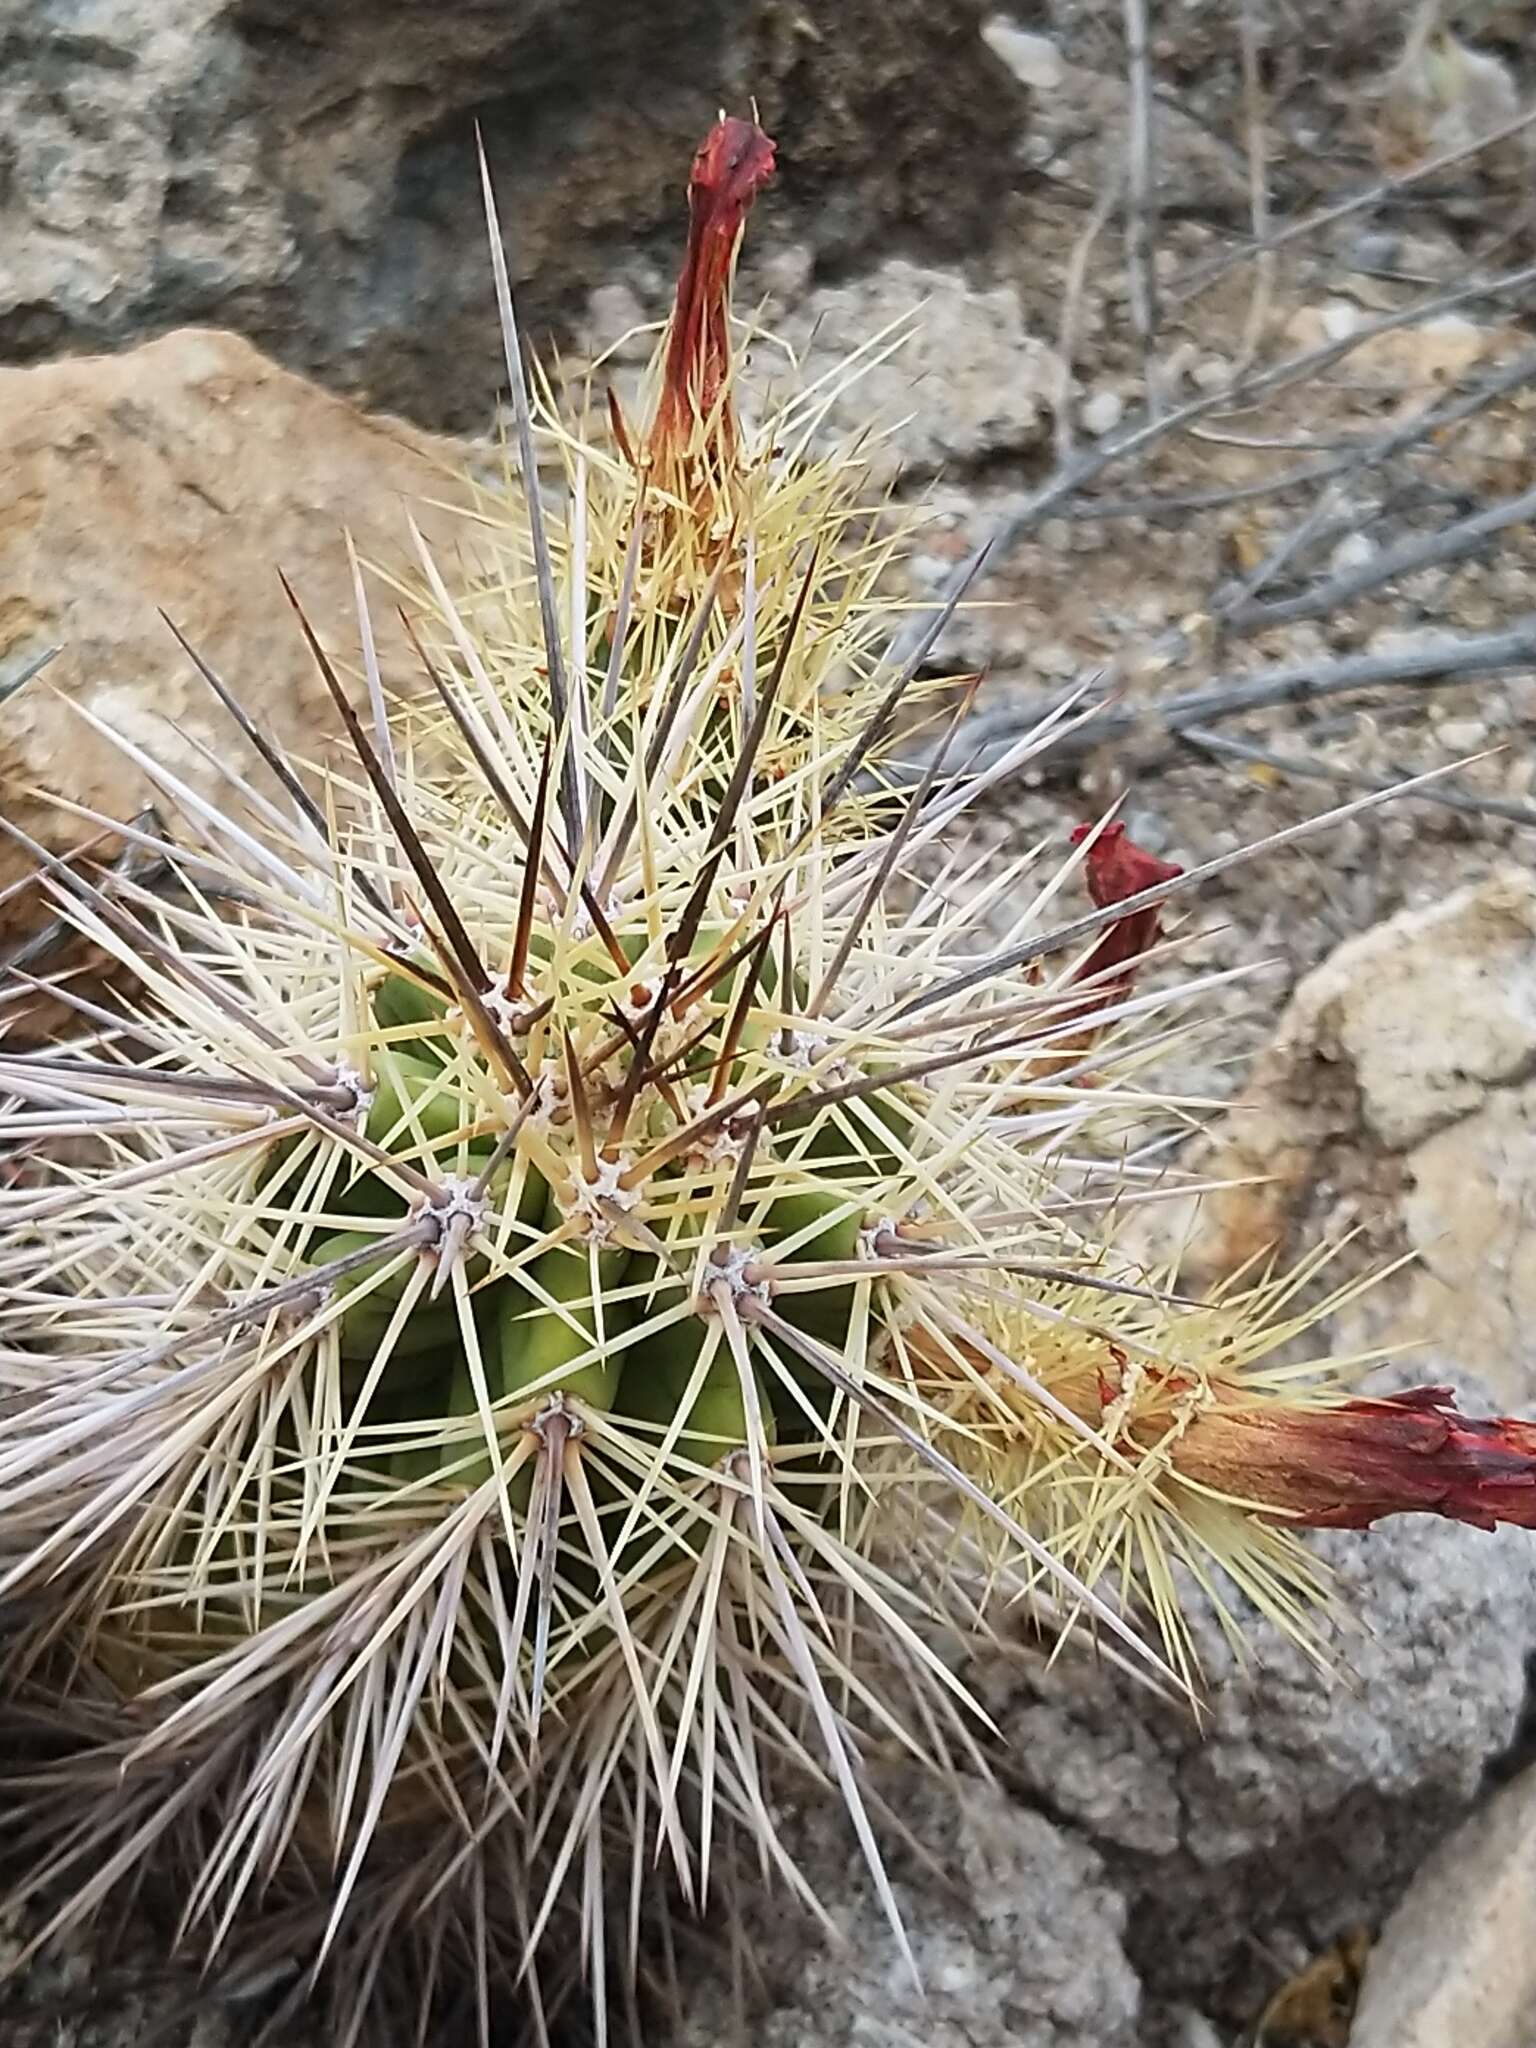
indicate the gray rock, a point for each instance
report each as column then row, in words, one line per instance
column 1083, row 109
column 1305, row 1803
column 1018, row 1946
column 968, row 380
column 306, row 172
column 72, row 1997
column 923, row 368
column 1196, row 35
column 1132, row 1870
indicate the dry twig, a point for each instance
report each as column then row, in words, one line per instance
column 1151, row 733
column 1312, row 767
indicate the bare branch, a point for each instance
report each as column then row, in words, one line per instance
column 1071, row 304
column 1258, row 185
column 1141, row 196
column 1425, row 551
column 1314, row 768
column 1358, row 202
column 1451, row 658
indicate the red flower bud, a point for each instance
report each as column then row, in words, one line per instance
column 735, row 159
column 1345, row 1467
column 1117, row 868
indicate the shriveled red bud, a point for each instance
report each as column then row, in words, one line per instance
column 1345, row 1467
column 695, row 416
column 1117, row 868
column 1340, row 1465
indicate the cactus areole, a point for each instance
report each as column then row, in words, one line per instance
column 572, row 1266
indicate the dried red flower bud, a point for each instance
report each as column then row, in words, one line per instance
column 733, row 162
column 1342, row 1466
column 1345, row 1467
column 1117, row 868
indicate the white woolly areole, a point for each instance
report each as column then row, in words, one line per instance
column 802, row 1048
column 499, row 1006
column 594, row 1199
column 348, row 1076
column 455, row 1201
column 549, row 1099
column 583, row 924
column 730, row 1269
column 868, row 1243
column 802, row 1051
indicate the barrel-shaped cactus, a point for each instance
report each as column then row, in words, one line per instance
column 576, row 1254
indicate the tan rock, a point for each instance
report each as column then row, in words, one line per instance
column 181, row 475
column 1442, row 95
column 1411, row 1042
column 1400, row 1090
column 1456, row 1963
column 1469, row 1210
column 1430, row 1009
column 1410, row 361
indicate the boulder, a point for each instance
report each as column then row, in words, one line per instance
column 1307, row 1793
column 304, row 170
column 1015, row 1934
column 181, row 475
column 1456, row 1963
column 1399, row 1092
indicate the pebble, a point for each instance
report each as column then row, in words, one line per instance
column 1376, row 250
column 1339, row 319
column 1102, row 413
column 1463, row 735
column 1452, row 327
column 1150, row 830
column 1352, row 552
column 1211, row 373
column 614, row 312
column 1196, row 2031
column 788, row 272
column 1176, row 366
column 1403, row 639
column 1034, row 60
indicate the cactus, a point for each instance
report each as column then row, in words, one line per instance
column 558, row 1284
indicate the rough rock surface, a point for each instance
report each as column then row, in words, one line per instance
column 1456, row 1962
column 1305, row 1803
column 1080, row 113
column 68, row 1998
column 306, row 173
column 182, row 474
column 1124, row 1842
column 950, row 374
column 1020, row 1948
column 1198, row 34
column 1470, row 1212
column 969, row 382
column 1403, row 1067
